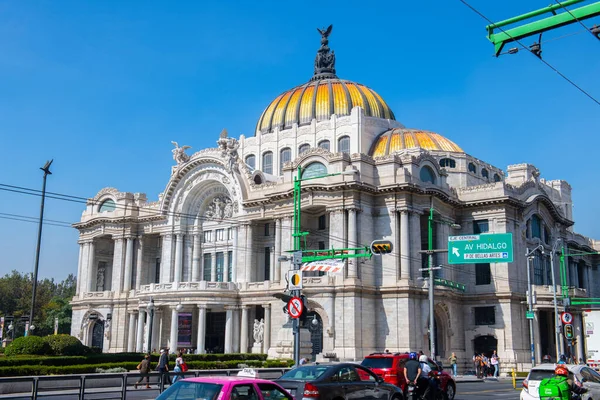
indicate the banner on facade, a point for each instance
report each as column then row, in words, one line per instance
column 331, row 265
column 1, row 327
column 184, row 329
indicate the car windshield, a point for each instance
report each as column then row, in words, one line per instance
column 539, row 374
column 378, row 362
column 306, row 373
column 184, row 390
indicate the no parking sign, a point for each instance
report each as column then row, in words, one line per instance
column 295, row 307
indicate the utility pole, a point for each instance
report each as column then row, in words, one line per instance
column 557, row 323
column 431, row 300
column 528, row 256
column 46, row 169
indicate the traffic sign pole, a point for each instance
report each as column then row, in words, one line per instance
column 297, row 263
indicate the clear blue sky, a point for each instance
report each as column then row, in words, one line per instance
column 104, row 86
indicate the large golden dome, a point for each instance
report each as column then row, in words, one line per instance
column 320, row 99
column 398, row 139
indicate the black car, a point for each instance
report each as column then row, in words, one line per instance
column 337, row 381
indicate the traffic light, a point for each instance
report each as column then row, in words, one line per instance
column 569, row 331
column 302, row 316
column 379, row 247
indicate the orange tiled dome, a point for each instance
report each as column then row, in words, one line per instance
column 320, row 99
column 398, row 139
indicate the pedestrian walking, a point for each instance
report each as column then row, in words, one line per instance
column 144, row 368
column 163, row 367
column 495, row 361
column 178, row 367
column 452, row 359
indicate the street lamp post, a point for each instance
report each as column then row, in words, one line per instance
column 528, row 256
column 46, row 169
column 150, row 309
column 558, row 339
column 11, row 329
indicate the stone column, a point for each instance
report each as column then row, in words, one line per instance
column 201, row 340
column 415, row 246
column 249, row 253
column 228, row 330
column 196, row 257
column 267, row 333
column 128, row 264
column 117, row 267
column 226, row 266
column 140, row 276
column 174, row 328
column 91, row 270
column 166, row 258
column 236, row 330
column 139, row 339
column 178, row 258
column 277, row 275
column 536, row 336
column 244, row 331
column 404, row 245
column 234, row 263
column 213, row 267
column 352, row 242
column 131, row 333
column 79, row 268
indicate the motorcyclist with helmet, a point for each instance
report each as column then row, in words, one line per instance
column 431, row 375
column 412, row 372
column 560, row 386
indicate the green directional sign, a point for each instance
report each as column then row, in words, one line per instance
column 483, row 248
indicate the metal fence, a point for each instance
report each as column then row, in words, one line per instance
column 103, row 386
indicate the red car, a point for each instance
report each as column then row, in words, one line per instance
column 390, row 366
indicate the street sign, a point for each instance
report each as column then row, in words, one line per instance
column 295, row 307
column 294, row 280
column 566, row 317
column 483, row 248
column 529, row 314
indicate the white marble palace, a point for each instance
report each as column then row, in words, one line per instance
column 207, row 252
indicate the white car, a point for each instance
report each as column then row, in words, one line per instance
column 581, row 373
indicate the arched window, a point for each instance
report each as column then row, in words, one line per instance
column 485, row 173
column 251, row 162
column 497, row 178
column 344, row 144
column 107, row 206
column 284, row 156
column 267, row 162
column 303, row 148
column 427, row 174
column 314, row 169
column 472, row 168
column 324, row 144
column 447, row 163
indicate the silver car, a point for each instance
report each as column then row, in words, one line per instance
column 580, row 373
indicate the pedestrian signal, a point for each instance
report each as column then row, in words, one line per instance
column 569, row 331
column 381, row 247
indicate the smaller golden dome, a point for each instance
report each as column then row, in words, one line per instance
column 398, row 139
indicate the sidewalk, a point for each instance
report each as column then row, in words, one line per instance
column 473, row 378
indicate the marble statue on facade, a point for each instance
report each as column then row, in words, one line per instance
column 179, row 153
column 229, row 147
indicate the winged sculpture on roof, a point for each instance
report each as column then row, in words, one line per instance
column 179, row 153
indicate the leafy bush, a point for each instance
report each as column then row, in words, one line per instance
column 110, row 370
column 33, row 345
column 66, row 345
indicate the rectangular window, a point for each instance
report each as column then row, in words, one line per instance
column 536, row 227
column 157, row 271
column 481, row 226
column 229, row 234
column 230, row 266
column 485, row 315
column 268, row 163
column 267, row 229
column 207, row 266
column 207, row 236
column 267, row 263
column 548, row 271
column 581, row 275
column 220, row 235
column 220, row 265
column 538, row 269
column 483, row 274
column 322, row 222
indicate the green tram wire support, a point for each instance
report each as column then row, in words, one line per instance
column 499, row 39
column 563, row 278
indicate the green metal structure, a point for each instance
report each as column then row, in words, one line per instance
column 500, row 37
column 565, row 287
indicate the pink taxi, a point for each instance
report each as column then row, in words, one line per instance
column 224, row 388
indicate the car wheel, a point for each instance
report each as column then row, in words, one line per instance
column 450, row 392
